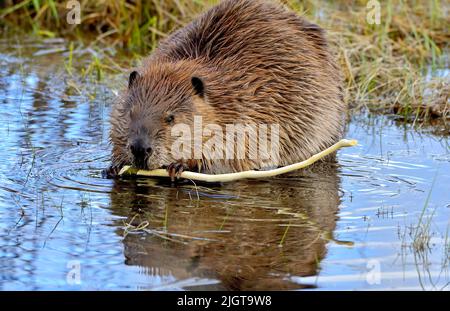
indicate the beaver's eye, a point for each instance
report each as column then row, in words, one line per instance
column 170, row 119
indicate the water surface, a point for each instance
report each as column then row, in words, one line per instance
column 377, row 220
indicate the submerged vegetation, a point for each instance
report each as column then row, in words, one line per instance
column 389, row 67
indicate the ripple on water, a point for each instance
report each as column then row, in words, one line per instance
column 77, row 168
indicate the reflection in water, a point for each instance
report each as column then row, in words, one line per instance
column 247, row 235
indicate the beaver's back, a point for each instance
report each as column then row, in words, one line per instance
column 239, row 30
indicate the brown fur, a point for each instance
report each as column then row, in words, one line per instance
column 259, row 62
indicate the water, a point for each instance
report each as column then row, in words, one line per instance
column 378, row 220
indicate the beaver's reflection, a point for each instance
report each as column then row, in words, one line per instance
column 250, row 235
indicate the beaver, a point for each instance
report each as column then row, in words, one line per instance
column 241, row 62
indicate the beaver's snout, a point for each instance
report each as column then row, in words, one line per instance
column 141, row 152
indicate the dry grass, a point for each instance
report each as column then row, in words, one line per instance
column 136, row 25
column 385, row 65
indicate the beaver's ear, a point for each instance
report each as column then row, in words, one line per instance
column 133, row 77
column 199, row 86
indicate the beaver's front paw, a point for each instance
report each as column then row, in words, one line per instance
column 111, row 172
column 176, row 169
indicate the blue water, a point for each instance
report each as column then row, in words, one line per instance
column 364, row 224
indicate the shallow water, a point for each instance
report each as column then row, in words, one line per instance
column 377, row 220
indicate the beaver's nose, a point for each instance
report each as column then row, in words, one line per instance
column 141, row 152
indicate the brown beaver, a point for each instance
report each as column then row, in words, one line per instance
column 241, row 62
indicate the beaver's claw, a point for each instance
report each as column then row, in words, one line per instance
column 176, row 169
column 111, row 172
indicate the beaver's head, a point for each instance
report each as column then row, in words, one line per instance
column 158, row 99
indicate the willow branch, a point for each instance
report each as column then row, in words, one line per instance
column 128, row 170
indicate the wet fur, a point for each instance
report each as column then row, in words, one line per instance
column 259, row 63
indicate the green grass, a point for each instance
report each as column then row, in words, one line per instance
column 421, row 235
column 383, row 64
